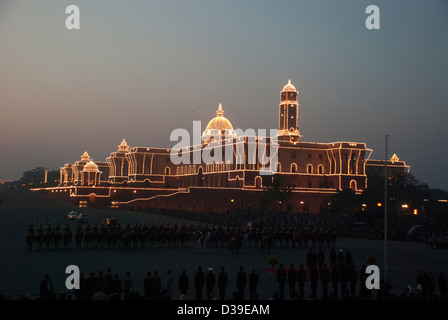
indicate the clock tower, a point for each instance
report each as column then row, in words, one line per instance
column 289, row 114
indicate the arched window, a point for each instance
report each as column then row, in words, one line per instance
column 293, row 167
column 258, row 182
column 278, row 167
column 167, row 171
column 309, row 169
column 353, row 185
column 320, row 169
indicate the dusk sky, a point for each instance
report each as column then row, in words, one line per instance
column 139, row 69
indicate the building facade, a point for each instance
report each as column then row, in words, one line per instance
column 225, row 171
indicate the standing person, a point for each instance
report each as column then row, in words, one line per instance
column 314, row 277
column 241, row 281
column 116, row 286
column 353, row 277
column 108, row 278
column 253, row 283
column 442, row 283
column 156, row 285
column 127, row 285
column 210, row 282
column 325, row 278
column 292, row 279
column 90, row 286
column 335, row 279
column 46, row 288
column 344, row 277
column 169, row 284
column 301, row 278
column 147, row 285
column 332, row 257
column 281, row 279
column 81, row 292
column 363, row 291
column 184, row 283
column 320, row 258
column 432, row 285
column 222, row 283
column 199, row 281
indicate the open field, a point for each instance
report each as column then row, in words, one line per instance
column 21, row 270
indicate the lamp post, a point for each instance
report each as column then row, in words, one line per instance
column 385, row 214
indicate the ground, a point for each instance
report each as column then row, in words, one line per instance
column 22, row 270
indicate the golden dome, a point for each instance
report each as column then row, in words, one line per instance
column 219, row 122
column 218, row 125
column 289, row 87
column 90, row 167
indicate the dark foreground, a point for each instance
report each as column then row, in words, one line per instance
column 22, row 270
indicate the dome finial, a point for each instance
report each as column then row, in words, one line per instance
column 220, row 112
column 123, row 147
column 85, row 156
column 289, row 86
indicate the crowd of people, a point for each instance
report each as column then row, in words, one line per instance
column 319, row 277
column 176, row 236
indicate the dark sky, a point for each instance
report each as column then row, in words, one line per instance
column 139, row 69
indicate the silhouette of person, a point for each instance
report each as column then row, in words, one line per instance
column 222, row 283
column 147, row 285
column 156, row 284
column 46, row 288
column 281, row 279
column 116, row 286
column 210, row 282
column 169, row 284
column 253, row 283
column 184, row 283
column 292, row 279
column 314, row 277
column 325, row 278
column 241, row 281
column 442, row 284
column 199, row 281
column 127, row 285
column 301, row 278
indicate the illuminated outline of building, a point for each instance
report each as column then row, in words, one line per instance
column 145, row 177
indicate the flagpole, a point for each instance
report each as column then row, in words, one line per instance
column 385, row 214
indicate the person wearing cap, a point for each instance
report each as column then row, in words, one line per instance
column 210, row 282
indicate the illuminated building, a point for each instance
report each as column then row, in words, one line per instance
column 307, row 174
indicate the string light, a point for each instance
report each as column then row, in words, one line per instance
column 142, row 165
